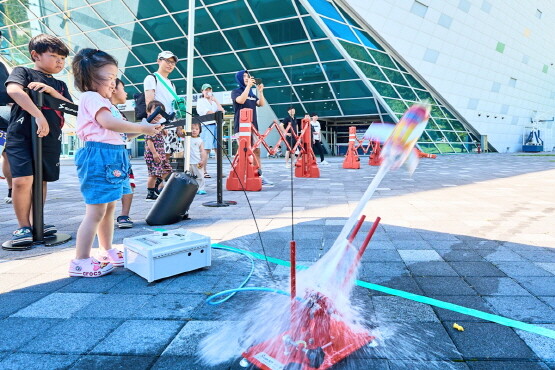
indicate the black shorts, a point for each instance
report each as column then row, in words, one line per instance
column 20, row 157
column 291, row 141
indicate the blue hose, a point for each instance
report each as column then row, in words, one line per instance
column 231, row 292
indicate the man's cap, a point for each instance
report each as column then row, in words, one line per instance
column 166, row 54
column 205, row 86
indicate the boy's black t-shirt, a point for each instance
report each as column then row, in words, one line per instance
column 249, row 103
column 19, row 129
column 294, row 124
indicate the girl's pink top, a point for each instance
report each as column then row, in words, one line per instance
column 88, row 129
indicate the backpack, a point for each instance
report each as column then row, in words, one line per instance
column 140, row 103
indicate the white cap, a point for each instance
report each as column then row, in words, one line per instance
column 167, row 55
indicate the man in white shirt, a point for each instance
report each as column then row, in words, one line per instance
column 317, row 138
column 208, row 104
column 155, row 89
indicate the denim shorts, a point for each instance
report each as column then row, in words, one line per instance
column 103, row 171
column 208, row 136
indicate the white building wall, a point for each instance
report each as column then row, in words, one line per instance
column 453, row 45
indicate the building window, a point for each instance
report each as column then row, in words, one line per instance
column 495, row 87
column 464, row 5
column 539, row 14
column 431, row 55
column 525, row 59
column 545, row 68
column 445, row 21
column 419, row 9
column 500, row 47
column 486, row 6
column 512, row 82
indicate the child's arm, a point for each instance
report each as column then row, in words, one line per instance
column 152, row 149
column 21, row 98
column 105, row 118
column 41, row 87
column 202, row 153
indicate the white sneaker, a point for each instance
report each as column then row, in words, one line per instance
column 7, row 200
column 325, row 163
column 287, row 165
column 266, row 182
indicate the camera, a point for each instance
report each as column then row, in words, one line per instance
column 258, row 81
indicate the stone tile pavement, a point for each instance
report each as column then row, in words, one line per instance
column 473, row 230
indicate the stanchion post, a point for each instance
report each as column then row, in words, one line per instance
column 219, row 118
column 38, row 196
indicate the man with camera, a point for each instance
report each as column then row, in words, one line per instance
column 244, row 97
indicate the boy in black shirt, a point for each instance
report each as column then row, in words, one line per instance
column 290, row 120
column 49, row 54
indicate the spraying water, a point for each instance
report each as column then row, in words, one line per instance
column 321, row 326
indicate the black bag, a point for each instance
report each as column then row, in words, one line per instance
column 174, row 201
column 140, row 104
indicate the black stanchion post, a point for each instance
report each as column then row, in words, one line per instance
column 219, row 117
column 38, row 196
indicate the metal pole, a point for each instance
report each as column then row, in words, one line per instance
column 38, row 196
column 189, row 89
column 219, row 171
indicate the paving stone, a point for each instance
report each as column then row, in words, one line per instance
column 528, row 309
column 139, row 337
column 97, row 362
column 93, row 285
column 137, row 285
column 169, row 306
column 187, row 341
column 84, row 334
column 391, row 309
column 538, row 286
column 444, row 286
column 476, row 303
column 506, row 365
column 381, row 255
column 487, row 341
column 431, row 268
column 114, row 306
column 503, row 254
column 544, row 347
column 37, row 361
column 190, row 363
column 517, row 269
column 57, row 305
column 549, row 300
column 460, row 255
column 409, row 243
column 547, row 266
column 404, row 283
column 410, row 365
column 422, row 341
column 419, row 255
column 16, row 332
column 14, row 301
column 374, row 269
column 496, row 286
column 476, row 269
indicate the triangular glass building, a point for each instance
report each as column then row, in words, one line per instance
column 310, row 53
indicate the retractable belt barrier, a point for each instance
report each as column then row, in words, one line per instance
column 245, row 172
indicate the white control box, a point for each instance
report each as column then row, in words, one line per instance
column 162, row 254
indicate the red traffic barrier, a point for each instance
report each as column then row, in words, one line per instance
column 375, row 159
column 352, row 161
column 306, row 165
column 244, row 174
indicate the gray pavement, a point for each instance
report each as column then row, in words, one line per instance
column 473, row 230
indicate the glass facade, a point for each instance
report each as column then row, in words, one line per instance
column 309, row 54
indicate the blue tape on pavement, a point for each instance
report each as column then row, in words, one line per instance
column 422, row 299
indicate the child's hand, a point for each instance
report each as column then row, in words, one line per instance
column 41, row 87
column 199, row 165
column 43, row 128
column 150, row 129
